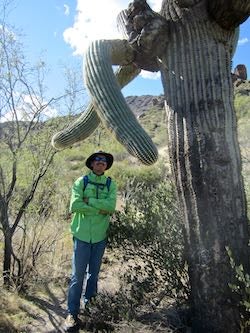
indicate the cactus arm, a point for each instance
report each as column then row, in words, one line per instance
column 147, row 33
column 229, row 14
column 132, row 56
column 125, row 74
column 87, row 123
column 234, row 40
column 122, row 22
column 79, row 130
column 109, row 101
column 188, row 3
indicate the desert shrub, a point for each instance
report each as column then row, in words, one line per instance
column 147, row 235
column 73, row 158
column 121, row 156
column 37, row 241
column 242, row 106
column 135, row 174
column 241, row 287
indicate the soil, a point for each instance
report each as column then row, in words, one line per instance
column 49, row 310
column 51, row 313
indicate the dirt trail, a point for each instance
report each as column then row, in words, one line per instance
column 47, row 310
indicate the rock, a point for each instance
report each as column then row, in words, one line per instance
column 240, row 72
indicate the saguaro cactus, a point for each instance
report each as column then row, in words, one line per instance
column 191, row 43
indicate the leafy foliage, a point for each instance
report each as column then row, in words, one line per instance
column 241, row 287
column 148, row 238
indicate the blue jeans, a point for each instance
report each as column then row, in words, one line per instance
column 84, row 255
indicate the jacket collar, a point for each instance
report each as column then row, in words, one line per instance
column 93, row 176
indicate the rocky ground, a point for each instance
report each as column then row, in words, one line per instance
column 46, row 312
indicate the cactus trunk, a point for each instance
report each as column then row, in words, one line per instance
column 205, row 158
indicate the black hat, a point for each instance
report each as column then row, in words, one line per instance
column 108, row 156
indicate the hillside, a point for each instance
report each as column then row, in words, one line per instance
column 42, row 308
column 141, row 104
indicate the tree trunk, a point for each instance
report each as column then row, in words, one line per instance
column 206, row 163
column 7, row 259
column 7, row 241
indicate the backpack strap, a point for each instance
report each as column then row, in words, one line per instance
column 108, row 182
column 86, row 181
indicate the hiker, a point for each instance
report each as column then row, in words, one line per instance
column 93, row 201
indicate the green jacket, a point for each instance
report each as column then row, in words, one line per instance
column 87, row 223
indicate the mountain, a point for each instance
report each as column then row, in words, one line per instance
column 141, row 104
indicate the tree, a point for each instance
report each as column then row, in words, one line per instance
column 23, row 107
column 191, row 42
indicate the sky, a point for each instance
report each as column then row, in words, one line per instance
column 59, row 31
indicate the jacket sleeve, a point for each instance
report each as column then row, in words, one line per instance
column 107, row 204
column 77, row 205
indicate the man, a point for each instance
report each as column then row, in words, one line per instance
column 93, row 200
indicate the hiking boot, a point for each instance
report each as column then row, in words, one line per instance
column 91, row 306
column 87, row 307
column 71, row 323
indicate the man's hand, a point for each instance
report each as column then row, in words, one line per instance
column 104, row 212
column 86, row 200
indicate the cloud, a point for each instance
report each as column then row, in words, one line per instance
column 66, row 10
column 27, row 110
column 96, row 19
column 23, row 114
column 155, row 5
column 150, row 75
column 243, row 41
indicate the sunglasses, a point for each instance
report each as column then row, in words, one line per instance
column 100, row 159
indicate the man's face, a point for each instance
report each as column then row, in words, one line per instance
column 99, row 164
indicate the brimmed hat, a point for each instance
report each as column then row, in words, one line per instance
column 108, row 156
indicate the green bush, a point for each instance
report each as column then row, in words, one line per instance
column 148, row 237
column 241, row 287
column 242, row 106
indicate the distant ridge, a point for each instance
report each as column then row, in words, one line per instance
column 141, row 104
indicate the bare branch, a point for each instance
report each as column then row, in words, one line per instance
column 42, row 171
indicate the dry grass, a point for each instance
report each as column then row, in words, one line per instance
column 12, row 315
column 43, row 309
